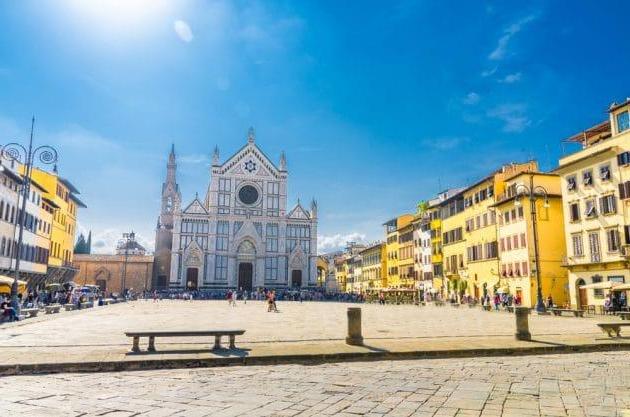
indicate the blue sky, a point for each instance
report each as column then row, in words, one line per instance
column 376, row 104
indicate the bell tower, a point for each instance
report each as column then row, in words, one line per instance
column 171, row 199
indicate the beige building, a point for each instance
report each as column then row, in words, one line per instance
column 130, row 267
column 596, row 191
column 372, row 267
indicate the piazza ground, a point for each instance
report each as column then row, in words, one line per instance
column 299, row 330
column 582, row 384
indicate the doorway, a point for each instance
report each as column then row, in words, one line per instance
column 581, row 301
column 191, row 278
column 296, row 278
column 245, row 276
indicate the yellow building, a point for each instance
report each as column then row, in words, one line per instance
column 341, row 272
column 469, row 234
column 62, row 238
column 391, row 248
column 372, row 267
column 595, row 184
column 517, row 255
column 407, row 276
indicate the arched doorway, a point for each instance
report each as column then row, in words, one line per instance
column 296, row 278
column 580, row 295
column 192, row 275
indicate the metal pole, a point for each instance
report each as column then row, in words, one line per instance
column 21, row 217
column 540, row 306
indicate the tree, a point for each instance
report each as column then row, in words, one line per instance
column 81, row 246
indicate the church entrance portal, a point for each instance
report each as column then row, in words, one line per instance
column 245, row 276
column 296, row 278
column 191, row 278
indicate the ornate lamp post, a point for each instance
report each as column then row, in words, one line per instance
column 124, row 242
column 25, row 156
column 534, row 192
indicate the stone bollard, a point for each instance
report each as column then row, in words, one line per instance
column 522, row 323
column 354, row 327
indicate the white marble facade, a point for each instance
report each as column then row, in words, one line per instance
column 241, row 235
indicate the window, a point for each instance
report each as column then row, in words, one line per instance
column 612, row 236
column 574, row 210
column 220, row 269
column 524, row 269
column 273, row 188
column 223, row 231
column 271, row 269
column 272, row 237
column 571, row 183
column 593, row 240
column 520, row 213
column 604, row 172
column 590, row 211
column 224, row 184
column 597, row 293
column 515, row 241
column 224, row 199
column 623, row 158
column 623, row 122
column 624, row 190
column 608, row 204
column 578, row 246
column 523, row 240
column 587, row 178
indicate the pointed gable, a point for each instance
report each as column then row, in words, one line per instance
column 250, row 153
column 298, row 212
column 195, row 207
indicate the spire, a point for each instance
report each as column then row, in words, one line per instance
column 171, row 156
column 251, row 135
column 313, row 208
column 89, row 242
column 283, row 161
column 215, row 156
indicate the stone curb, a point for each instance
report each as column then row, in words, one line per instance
column 311, row 359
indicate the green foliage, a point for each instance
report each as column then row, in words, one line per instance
column 422, row 206
column 81, row 246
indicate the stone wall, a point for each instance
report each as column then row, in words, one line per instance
column 108, row 270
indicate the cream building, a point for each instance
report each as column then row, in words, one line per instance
column 596, row 193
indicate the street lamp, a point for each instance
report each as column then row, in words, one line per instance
column 533, row 192
column 25, row 156
column 126, row 240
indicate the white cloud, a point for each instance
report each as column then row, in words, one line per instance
column 489, row 72
column 445, row 143
column 501, row 49
column 513, row 116
column 183, row 31
column 511, row 78
column 104, row 241
column 338, row 241
column 471, row 98
column 77, row 137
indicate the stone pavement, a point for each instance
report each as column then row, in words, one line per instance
column 584, row 384
column 96, row 336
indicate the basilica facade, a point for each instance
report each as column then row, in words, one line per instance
column 241, row 235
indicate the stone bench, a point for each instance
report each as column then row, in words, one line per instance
column 52, row 308
column 108, row 301
column 454, row 305
column 30, row 312
column 88, row 304
column 611, row 328
column 70, row 307
column 623, row 315
column 559, row 311
column 185, row 333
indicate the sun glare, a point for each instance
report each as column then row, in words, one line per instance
column 117, row 15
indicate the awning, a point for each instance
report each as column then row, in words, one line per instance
column 606, row 285
column 621, row 287
column 8, row 280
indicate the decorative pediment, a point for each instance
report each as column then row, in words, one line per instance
column 249, row 160
column 193, row 255
column 298, row 212
column 297, row 259
column 247, row 232
column 195, row 208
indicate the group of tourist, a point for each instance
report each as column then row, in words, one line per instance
column 615, row 301
column 259, row 294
